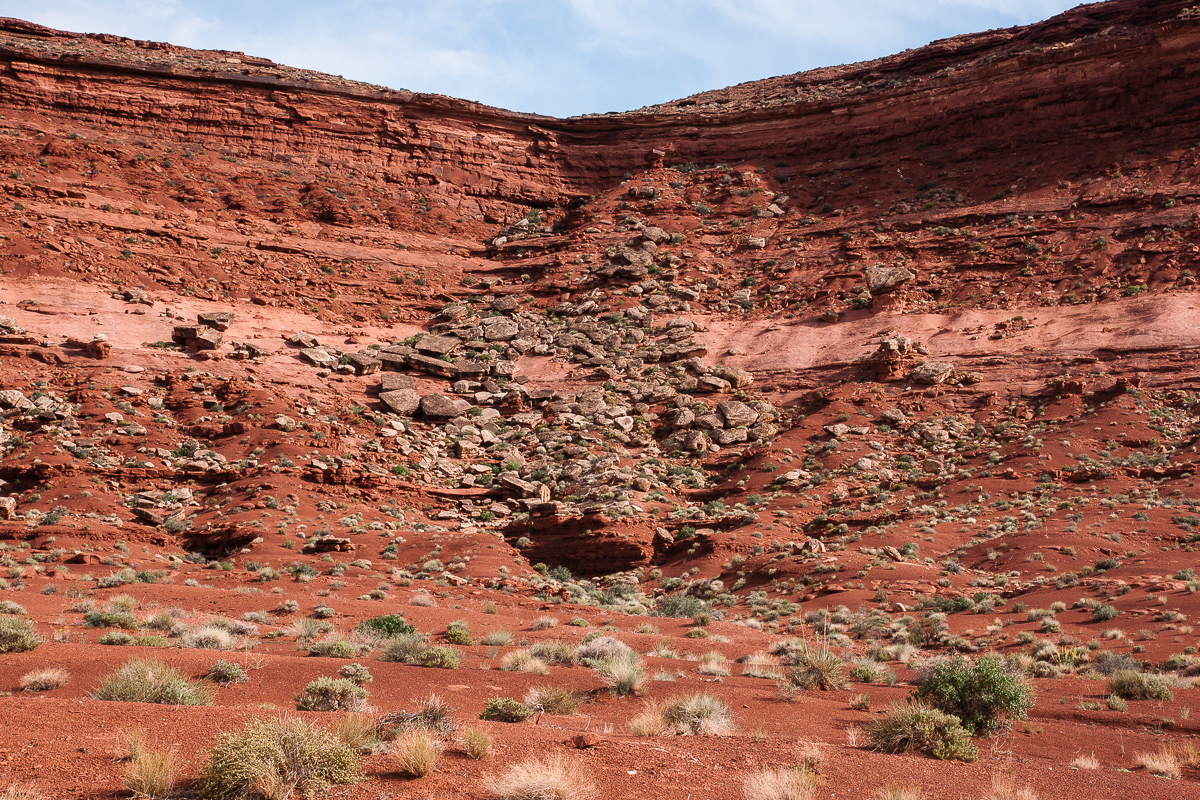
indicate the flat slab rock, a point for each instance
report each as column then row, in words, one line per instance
column 442, row 407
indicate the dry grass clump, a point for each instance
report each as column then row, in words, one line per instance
column 275, row 758
column 476, row 744
column 417, row 753
column 433, row 714
column 356, row 731
column 713, row 663
column 148, row 774
column 523, row 661
column 1004, row 788
column 1088, row 761
column 780, row 784
column 894, row 792
column 332, row 694
column 624, row 674
column 762, row 665
column 17, row 635
column 649, row 722
column 543, row 622
column 553, row 699
column 43, row 680
column 17, row 792
column 1164, row 764
column 553, row 777
column 604, row 648
column 152, row 681
column 552, row 651
column 700, row 714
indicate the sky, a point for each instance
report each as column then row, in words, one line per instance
column 555, row 57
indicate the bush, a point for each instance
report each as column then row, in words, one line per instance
column 333, row 647
column 505, row 709
column 604, row 648
column 17, row 635
column 1107, row 663
column 274, row 758
column 405, row 648
column 914, row 727
column 433, row 714
column 553, row 651
column 816, row 668
column 457, row 633
column 152, row 681
column 119, row 638
column 679, row 605
column 332, row 694
column 227, row 673
column 522, row 661
column 357, row 673
column 553, row 777
column 979, row 694
column 1104, row 612
column 624, row 674
column 417, row 753
column 149, row 774
column 699, row 714
column 1130, row 685
column 110, row 619
column 440, row 658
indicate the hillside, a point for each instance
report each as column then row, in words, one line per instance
column 898, row 357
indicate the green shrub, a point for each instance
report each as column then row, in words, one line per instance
column 441, row 658
column 1131, row 685
column 110, row 619
column 335, row 647
column 152, row 681
column 913, row 727
column 332, row 694
column 1104, row 612
column 274, row 759
column 457, row 633
column 980, row 694
column 388, row 625
column 679, row 605
column 116, row 638
column 505, row 709
column 226, row 673
column 17, row 635
column 357, row 673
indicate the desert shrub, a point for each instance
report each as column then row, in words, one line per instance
column 357, row 673
column 227, row 673
column 110, row 619
column 271, row 759
column 553, row 777
column 209, row 637
column 700, row 714
column 405, row 648
column 552, row 699
column 861, row 702
column 356, row 731
column 440, row 658
column 44, row 679
column 476, row 744
column 603, row 648
column 457, row 633
column 119, row 638
column 817, row 668
column 1115, row 703
column 505, row 709
column 780, row 784
column 713, row 663
column 433, row 714
column 334, row 646
column 980, row 694
column 913, row 727
column 679, row 605
column 1106, row 662
column 332, row 694
column 417, row 753
column 552, row 651
column 496, row 638
column 522, row 661
column 152, row 681
column 1130, row 685
column 543, row 622
column 1104, row 612
column 388, row 625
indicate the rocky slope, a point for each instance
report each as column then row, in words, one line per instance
column 917, row 333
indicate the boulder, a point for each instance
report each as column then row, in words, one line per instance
column 401, row 401
column 218, row 320
column 881, row 280
column 737, row 414
column 439, row 406
column 391, row 381
column 932, row 372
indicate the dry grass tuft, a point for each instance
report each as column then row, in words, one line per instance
column 1004, row 788
column 476, row 744
column 17, row 792
column 523, row 661
column 713, row 663
column 1088, row 761
column 780, row 784
column 553, row 700
column 763, row 665
column 551, row 778
column 43, row 680
column 150, row 774
column 700, row 714
column 1164, row 764
column 649, row 722
column 894, row 792
column 417, row 753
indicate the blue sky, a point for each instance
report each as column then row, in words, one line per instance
column 557, row 57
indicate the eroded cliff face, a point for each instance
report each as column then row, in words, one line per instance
column 1051, row 93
